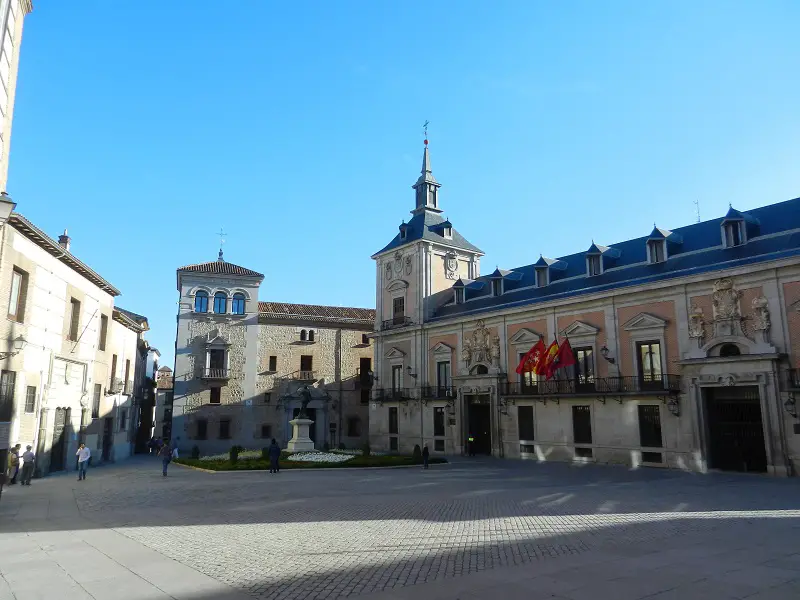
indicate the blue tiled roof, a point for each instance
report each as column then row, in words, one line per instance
column 772, row 233
column 427, row 225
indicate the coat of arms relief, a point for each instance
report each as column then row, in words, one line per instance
column 727, row 320
column 481, row 348
column 451, row 265
column 397, row 266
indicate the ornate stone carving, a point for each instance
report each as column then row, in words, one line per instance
column 697, row 323
column 760, row 314
column 725, row 300
column 408, row 265
column 398, row 263
column 481, row 347
column 388, row 272
column 727, row 314
column 451, row 265
column 728, row 380
column 494, row 351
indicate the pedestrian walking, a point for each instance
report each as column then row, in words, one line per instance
column 274, row 456
column 151, row 446
column 166, row 457
column 471, row 443
column 83, row 454
column 425, row 455
column 175, row 448
column 29, row 459
column 13, row 464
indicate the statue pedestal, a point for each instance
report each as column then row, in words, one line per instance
column 300, row 441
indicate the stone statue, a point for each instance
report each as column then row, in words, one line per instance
column 466, row 353
column 306, row 394
column 388, row 271
column 696, row 323
column 494, row 351
column 760, row 314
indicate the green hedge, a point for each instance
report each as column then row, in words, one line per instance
column 263, row 465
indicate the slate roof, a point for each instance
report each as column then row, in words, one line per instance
column 773, row 232
column 316, row 313
column 129, row 319
column 220, row 267
column 427, row 225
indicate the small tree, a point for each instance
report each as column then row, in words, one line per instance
column 365, row 449
column 416, row 455
column 195, row 452
column 265, row 454
column 326, row 447
column 233, row 454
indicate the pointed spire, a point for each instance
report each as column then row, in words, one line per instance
column 427, row 188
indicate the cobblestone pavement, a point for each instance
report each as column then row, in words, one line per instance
column 452, row 529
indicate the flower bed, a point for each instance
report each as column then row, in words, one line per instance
column 304, row 460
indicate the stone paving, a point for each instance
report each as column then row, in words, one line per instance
column 471, row 529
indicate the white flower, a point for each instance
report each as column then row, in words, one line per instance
column 319, row 457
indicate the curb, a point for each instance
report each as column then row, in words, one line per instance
column 307, row 469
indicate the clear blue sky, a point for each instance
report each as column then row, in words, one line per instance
column 145, row 126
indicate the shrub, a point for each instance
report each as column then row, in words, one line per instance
column 416, row 455
column 365, row 449
column 326, row 447
column 341, row 446
column 265, row 454
column 195, row 452
column 234, row 453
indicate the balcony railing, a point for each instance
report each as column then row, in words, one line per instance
column 128, row 388
column 395, row 323
column 215, row 373
column 301, row 375
column 439, row 391
column 593, row 386
column 394, row 395
column 116, row 387
column 793, row 379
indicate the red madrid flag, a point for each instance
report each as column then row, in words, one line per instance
column 531, row 358
column 563, row 359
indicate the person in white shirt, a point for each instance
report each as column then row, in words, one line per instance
column 27, row 469
column 83, row 454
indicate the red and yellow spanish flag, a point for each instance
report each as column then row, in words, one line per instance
column 563, row 359
column 543, row 367
column 531, row 358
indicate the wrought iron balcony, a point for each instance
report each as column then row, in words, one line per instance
column 793, row 379
column 395, row 323
column 214, row 374
column 594, row 386
column 393, row 395
column 444, row 392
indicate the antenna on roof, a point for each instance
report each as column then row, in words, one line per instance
column 697, row 209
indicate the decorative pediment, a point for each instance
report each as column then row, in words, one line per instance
column 525, row 337
column 395, row 353
column 442, row 348
column 644, row 321
column 397, row 285
column 215, row 338
column 580, row 329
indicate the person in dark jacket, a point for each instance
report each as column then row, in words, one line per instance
column 425, row 455
column 274, row 455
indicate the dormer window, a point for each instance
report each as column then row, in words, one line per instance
column 542, row 277
column 403, row 231
column 433, row 197
column 593, row 265
column 459, row 295
column 497, row 287
column 448, row 232
column 732, row 231
column 655, row 251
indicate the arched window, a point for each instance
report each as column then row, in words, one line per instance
column 201, row 302
column 237, row 306
column 220, row 303
column 730, row 350
column 310, row 335
column 480, row 370
column 303, row 335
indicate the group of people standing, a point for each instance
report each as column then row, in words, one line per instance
column 27, row 461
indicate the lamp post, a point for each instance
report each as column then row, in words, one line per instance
column 18, row 344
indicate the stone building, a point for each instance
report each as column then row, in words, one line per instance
column 68, row 356
column 12, row 17
column 687, row 343
column 241, row 364
column 162, row 424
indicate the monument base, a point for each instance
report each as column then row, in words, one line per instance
column 300, row 441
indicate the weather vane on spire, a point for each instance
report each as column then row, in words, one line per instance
column 425, row 131
column 221, row 235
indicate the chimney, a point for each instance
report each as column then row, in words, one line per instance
column 63, row 240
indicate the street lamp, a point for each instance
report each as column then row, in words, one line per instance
column 18, row 345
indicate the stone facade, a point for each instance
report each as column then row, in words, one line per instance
column 270, row 352
column 74, row 378
column 659, row 357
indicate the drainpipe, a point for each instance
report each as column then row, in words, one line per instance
column 339, row 377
